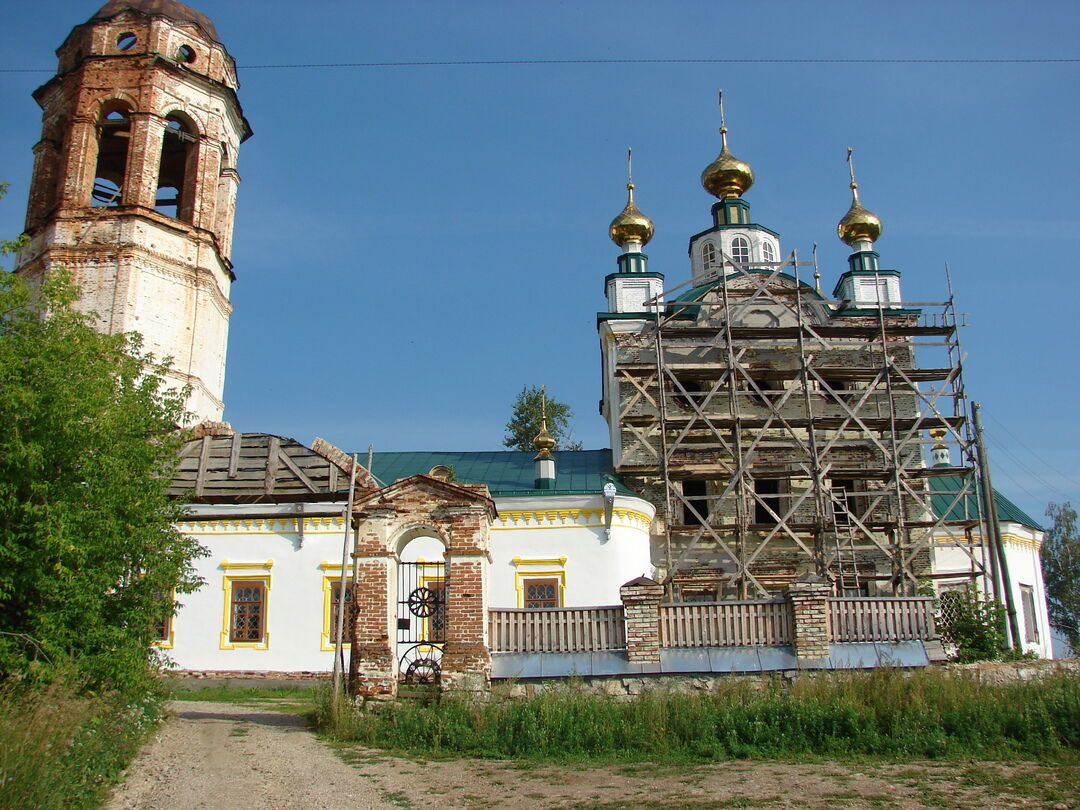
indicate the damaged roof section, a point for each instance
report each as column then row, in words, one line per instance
column 229, row 467
column 173, row 9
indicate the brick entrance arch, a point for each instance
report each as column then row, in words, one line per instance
column 460, row 516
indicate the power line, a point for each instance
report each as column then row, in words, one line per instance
column 727, row 61
column 1050, row 487
column 1033, row 454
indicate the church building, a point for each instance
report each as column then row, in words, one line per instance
column 787, row 484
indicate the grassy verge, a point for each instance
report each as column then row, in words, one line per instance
column 63, row 749
column 246, row 694
column 883, row 714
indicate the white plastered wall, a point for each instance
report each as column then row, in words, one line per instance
column 297, row 608
column 563, row 537
column 1023, row 557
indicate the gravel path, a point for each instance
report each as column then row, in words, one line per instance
column 220, row 755
column 211, row 755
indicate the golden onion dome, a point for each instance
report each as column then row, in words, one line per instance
column 630, row 225
column 543, row 441
column 727, row 176
column 858, row 224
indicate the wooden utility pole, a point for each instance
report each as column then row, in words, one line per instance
column 993, row 529
column 339, row 649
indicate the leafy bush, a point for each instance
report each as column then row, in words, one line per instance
column 61, row 748
column 974, row 624
column 89, row 554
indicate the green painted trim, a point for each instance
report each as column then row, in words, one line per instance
column 753, row 226
column 624, row 316
column 847, row 273
column 645, row 274
column 872, row 308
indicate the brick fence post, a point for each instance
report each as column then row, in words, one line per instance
column 641, row 604
column 809, row 597
column 372, row 663
column 466, row 659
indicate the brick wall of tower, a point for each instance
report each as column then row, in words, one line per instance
column 139, row 269
column 386, row 520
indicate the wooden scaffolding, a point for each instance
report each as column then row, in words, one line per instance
column 779, row 432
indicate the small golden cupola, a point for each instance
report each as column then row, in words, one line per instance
column 864, row 284
column 633, row 286
column 858, row 224
column 544, row 443
column 631, row 229
column 727, row 176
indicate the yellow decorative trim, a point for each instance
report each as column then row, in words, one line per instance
column 521, row 576
column 976, row 540
column 226, row 585
column 1026, row 542
column 537, row 561
column 288, row 525
column 229, row 566
column 326, row 565
column 325, row 644
column 583, row 518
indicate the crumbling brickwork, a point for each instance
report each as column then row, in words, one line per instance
column 811, row 633
column 641, row 603
column 459, row 515
column 134, row 184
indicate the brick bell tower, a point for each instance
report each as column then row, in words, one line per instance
column 134, row 184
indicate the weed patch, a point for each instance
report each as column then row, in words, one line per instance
column 60, row 749
column 885, row 714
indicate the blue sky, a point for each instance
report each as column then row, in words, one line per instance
column 415, row 244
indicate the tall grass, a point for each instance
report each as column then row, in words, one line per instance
column 60, row 748
column 885, row 713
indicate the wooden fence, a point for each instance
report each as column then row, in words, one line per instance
column 556, row 629
column 708, row 624
column 882, row 619
column 726, row 624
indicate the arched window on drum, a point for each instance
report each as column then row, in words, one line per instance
column 740, row 250
column 767, row 252
column 708, row 255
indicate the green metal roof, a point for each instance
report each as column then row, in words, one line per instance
column 512, row 472
column 968, row 506
column 508, row 472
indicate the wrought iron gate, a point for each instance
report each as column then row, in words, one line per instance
column 421, row 620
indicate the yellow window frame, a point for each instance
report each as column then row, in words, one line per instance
column 329, row 581
column 170, row 642
column 226, row 622
column 521, row 576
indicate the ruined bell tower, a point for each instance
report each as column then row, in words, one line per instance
column 134, row 184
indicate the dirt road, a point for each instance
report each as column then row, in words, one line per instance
column 218, row 755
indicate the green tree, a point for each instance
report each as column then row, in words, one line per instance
column 525, row 423
column 89, row 556
column 9, row 245
column 1061, row 571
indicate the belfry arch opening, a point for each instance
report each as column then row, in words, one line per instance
column 114, row 137
column 176, row 176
